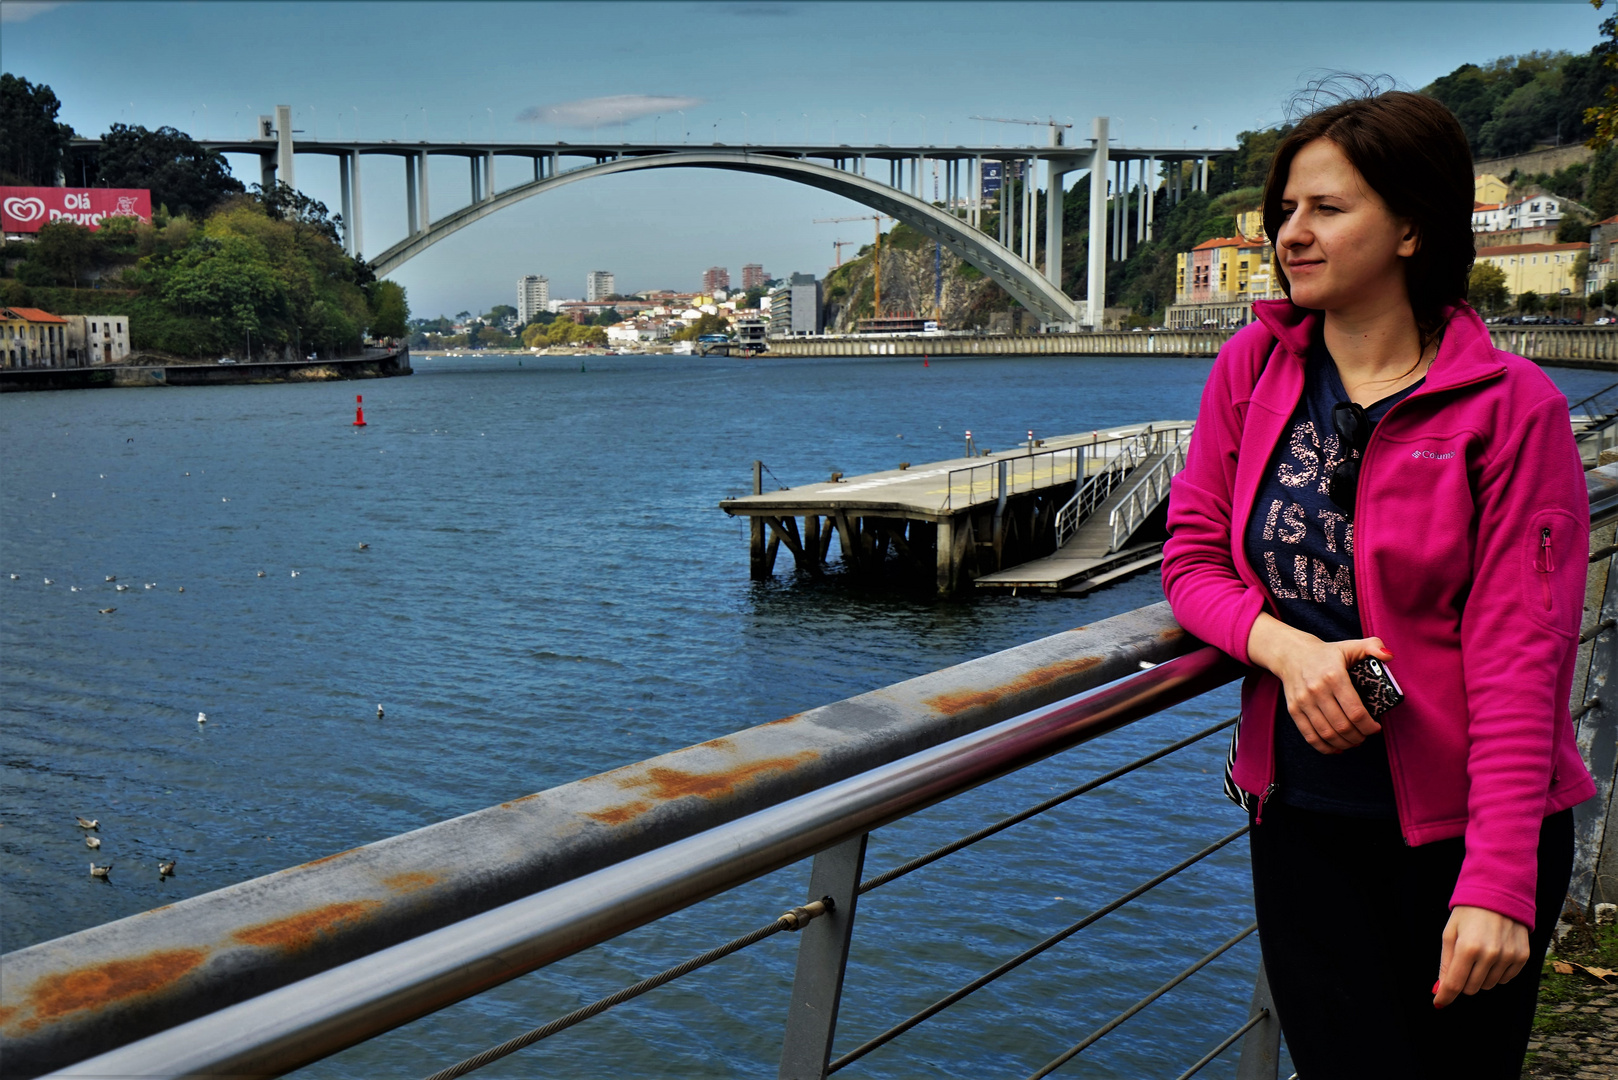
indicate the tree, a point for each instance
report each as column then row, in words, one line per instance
column 1609, row 294
column 183, row 176
column 607, row 317
column 285, row 203
column 32, row 142
column 65, row 251
column 1486, row 287
column 1604, row 114
column 390, row 312
column 706, row 324
column 499, row 312
column 533, row 336
column 1529, row 303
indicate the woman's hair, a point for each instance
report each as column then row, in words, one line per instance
column 1414, row 154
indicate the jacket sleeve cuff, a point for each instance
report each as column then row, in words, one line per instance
column 1509, row 904
column 1247, row 613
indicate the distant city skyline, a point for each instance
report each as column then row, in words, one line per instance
column 1166, row 73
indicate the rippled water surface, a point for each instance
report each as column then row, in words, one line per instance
column 549, row 591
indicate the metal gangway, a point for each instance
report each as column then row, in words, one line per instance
column 1595, row 423
column 267, row 976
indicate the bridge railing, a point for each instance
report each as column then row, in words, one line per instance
column 816, row 784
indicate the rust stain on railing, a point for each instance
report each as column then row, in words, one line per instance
column 952, row 702
column 300, row 931
column 410, row 881
column 96, row 986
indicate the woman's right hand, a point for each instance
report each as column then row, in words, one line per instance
column 1321, row 699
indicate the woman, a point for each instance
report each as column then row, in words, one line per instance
column 1369, row 477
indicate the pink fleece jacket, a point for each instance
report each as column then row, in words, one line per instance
column 1470, row 546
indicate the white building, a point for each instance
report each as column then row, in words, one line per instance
column 598, row 285
column 1529, row 212
column 96, row 339
column 533, row 296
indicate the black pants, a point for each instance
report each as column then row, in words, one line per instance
column 1351, row 923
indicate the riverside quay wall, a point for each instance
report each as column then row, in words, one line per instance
column 374, row 364
column 1566, row 346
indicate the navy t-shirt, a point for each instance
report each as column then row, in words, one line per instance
column 1302, row 546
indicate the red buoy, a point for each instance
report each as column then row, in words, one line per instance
column 359, row 411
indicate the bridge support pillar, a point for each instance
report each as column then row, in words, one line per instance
column 266, row 171
column 1053, row 226
column 1151, row 196
column 421, row 184
column 488, row 175
column 412, row 200
column 283, row 145
column 345, row 188
column 1096, row 292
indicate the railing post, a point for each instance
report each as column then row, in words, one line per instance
column 1261, row 1046
column 822, row 958
column 1595, row 860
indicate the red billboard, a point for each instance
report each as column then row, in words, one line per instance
column 25, row 209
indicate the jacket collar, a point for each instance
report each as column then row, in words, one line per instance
column 1466, row 355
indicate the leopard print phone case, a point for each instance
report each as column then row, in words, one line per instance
column 1379, row 691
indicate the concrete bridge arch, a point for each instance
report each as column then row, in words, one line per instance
column 1020, row 279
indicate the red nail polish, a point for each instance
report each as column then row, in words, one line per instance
column 1436, row 983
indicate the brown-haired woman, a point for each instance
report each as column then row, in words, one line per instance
column 1370, row 479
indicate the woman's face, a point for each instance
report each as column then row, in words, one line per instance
column 1340, row 246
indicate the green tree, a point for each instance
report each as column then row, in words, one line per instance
column 560, row 332
column 1572, row 229
column 285, row 203
column 65, row 251
column 32, row 141
column 499, row 312
column 390, row 312
column 1486, row 287
column 705, row 324
column 183, row 176
column 533, row 335
column 607, row 317
column 1529, row 303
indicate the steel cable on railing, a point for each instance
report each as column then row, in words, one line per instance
column 1101, row 1032
column 795, row 919
column 1038, row 808
column 1207, row 1059
column 1028, row 954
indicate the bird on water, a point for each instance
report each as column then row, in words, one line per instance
column 295, row 573
column 15, row 577
column 123, row 588
column 100, row 871
column 112, row 577
column 92, row 842
column 48, row 581
column 107, row 610
column 202, row 718
column 151, row 585
column 165, row 868
column 362, row 547
column 261, row 573
column 379, row 710
column 88, row 823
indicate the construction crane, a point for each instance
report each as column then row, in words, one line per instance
column 1048, row 122
column 837, row 247
column 876, row 258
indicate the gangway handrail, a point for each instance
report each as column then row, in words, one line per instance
column 1145, row 495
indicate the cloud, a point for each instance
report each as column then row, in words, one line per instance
column 15, row 11
column 614, row 109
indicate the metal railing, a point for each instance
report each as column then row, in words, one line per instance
column 1141, row 500
column 212, row 986
column 1012, row 474
column 1130, row 451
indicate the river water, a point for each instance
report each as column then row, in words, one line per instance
column 549, row 591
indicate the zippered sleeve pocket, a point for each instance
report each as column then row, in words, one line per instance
column 1554, row 593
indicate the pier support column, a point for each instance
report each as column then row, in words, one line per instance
column 1096, row 294
column 755, row 540
column 946, row 557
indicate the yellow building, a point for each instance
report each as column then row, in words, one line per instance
column 1217, row 281
column 1488, row 189
column 1546, row 269
column 1250, row 224
column 30, row 337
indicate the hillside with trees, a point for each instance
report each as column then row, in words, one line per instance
column 221, row 270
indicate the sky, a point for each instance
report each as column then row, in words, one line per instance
column 1166, row 73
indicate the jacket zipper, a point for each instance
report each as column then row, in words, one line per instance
column 1258, row 816
column 1545, row 564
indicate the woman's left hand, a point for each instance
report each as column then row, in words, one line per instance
column 1482, row 949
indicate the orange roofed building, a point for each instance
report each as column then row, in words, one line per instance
column 33, row 338
column 1217, row 281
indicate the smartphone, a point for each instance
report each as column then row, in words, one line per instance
column 1379, row 691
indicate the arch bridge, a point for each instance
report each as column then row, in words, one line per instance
column 967, row 182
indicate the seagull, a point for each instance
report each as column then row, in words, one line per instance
column 89, row 823
column 15, row 577
column 224, row 500
column 165, row 868
column 379, row 710
column 72, row 588
column 53, row 494
column 112, row 577
column 100, row 871
column 182, row 588
column 261, row 573
column 188, row 474
column 152, row 585
column 107, row 610
column 362, row 547
column 202, row 718
column 123, row 588
column 103, row 476
column 294, row 573
column 48, row 581
column 92, row 842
